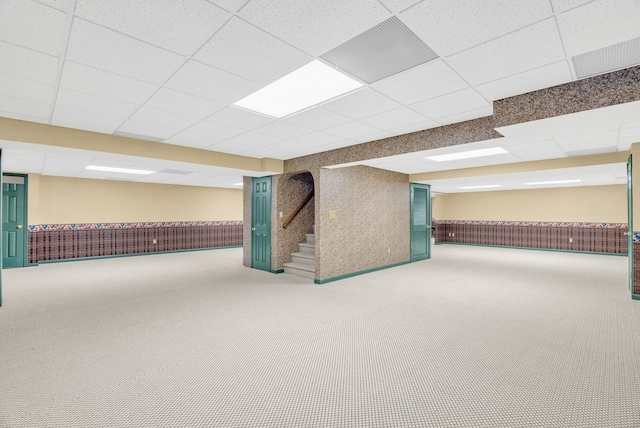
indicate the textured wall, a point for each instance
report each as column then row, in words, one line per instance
column 371, row 227
column 609, row 89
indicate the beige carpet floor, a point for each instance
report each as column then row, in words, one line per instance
column 474, row 337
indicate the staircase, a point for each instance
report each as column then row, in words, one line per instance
column 303, row 263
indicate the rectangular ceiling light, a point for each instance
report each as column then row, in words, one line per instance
column 121, row 170
column 536, row 183
column 487, row 186
column 307, row 86
column 468, row 155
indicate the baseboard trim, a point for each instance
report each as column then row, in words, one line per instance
column 533, row 248
column 114, row 256
column 360, row 272
column 635, row 296
column 276, row 271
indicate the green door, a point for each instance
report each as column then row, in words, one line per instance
column 420, row 222
column 630, row 221
column 14, row 216
column 261, row 224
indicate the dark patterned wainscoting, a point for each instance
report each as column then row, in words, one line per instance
column 75, row 241
column 588, row 237
column 636, row 268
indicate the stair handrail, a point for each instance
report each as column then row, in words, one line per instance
column 297, row 210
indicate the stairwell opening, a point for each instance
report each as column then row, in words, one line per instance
column 296, row 211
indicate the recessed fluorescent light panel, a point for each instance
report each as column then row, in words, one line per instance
column 468, row 155
column 238, row 184
column 307, row 86
column 536, row 183
column 120, row 170
column 487, row 186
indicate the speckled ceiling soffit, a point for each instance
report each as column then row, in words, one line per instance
column 621, row 55
column 382, row 51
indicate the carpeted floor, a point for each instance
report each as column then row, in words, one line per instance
column 506, row 338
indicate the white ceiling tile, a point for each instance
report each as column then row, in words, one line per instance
column 25, row 89
column 297, row 22
column 78, row 119
column 371, row 137
column 352, row 130
column 468, row 115
column 204, row 134
column 284, row 130
column 317, row 139
column 590, row 137
column 244, row 143
column 570, row 4
column 534, row 155
column 397, row 118
column 415, row 127
column 146, row 129
column 162, row 118
column 451, row 104
column 191, row 22
column 184, row 104
column 32, row 25
column 531, row 80
column 624, row 143
column 600, row 24
column 208, row 82
column 317, row 118
column 244, row 50
column 240, row 118
column 58, row 4
column 362, row 103
column 516, row 147
column 93, row 81
column 399, row 5
column 229, row 5
column 23, row 107
column 28, row 64
column 94, row 105
column 526, row 49
column 421, row 83
column 120, row 54
column 452, row 26
column 25, row 117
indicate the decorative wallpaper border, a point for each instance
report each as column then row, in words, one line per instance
column 536, row 223
column 138, row 225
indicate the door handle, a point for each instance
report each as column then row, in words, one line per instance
column 19, row 226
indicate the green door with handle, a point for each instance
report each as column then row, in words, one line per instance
column 14, row 220
column 261, row 223
column 420, row 222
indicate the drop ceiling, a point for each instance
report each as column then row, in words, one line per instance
column 171, row 71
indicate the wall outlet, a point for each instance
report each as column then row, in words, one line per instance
column 155, row 241
column 389, row 250
column 570, row 240
column 453, row 234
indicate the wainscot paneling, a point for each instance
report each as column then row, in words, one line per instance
column 585, row 237
column 76, row 241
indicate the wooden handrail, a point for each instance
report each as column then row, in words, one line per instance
column 297, row 210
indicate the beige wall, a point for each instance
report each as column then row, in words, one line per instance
column 62, row 200
column 606, row 204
